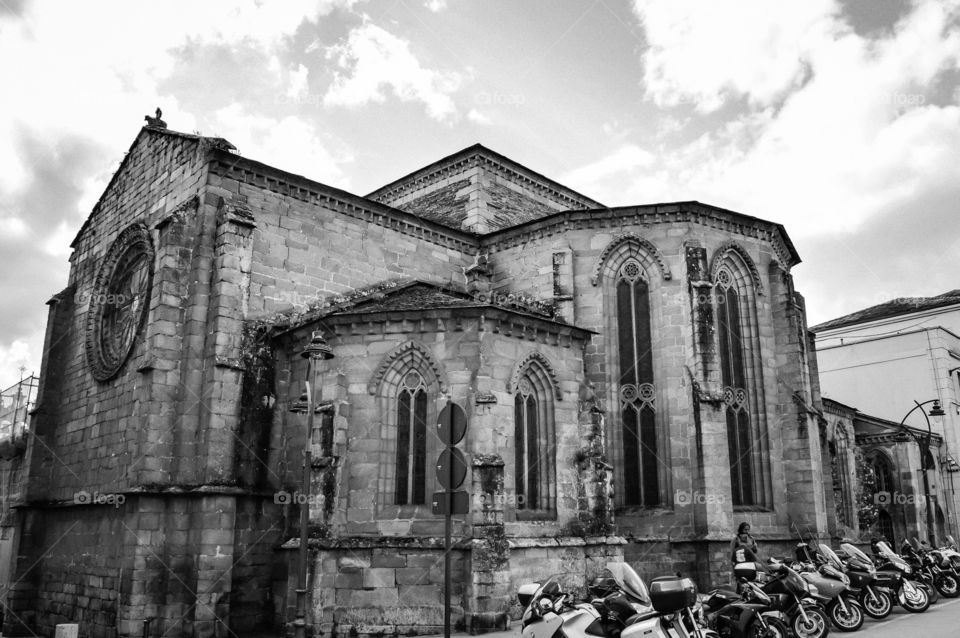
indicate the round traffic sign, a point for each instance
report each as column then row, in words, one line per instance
column 451, row 468
column 452, row 424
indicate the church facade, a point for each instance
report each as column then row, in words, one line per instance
column 637, row 381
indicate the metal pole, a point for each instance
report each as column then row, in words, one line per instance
column 300, row 622
column 447, row 529
column 931, row 533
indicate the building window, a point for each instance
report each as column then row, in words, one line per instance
column 742, row 382
column 840, row 466
column 535, row 447
column 411, row 469
column 407, row 384
column 638, row 419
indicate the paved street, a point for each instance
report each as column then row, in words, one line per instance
column 942, row 620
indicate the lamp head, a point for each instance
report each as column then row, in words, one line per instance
column 318, row 348
column 936, row 410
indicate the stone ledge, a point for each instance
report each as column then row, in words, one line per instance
column 565, row 541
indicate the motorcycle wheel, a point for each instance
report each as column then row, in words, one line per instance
column 852, row 620
column 948, row 586
column 931, row 592
column 917, row 605
column 816, row 626
column 877, row 606
column 775, row 629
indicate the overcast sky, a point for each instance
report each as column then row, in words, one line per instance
column 836, row 118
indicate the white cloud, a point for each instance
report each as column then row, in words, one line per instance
column 372, row 61
column 475, row 116
column 12, row 357
column 435, row 5
column 704, row 52
column 290, row 143
column 860, row 136
column 619, row 164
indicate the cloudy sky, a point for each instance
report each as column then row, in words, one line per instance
column 838, row 118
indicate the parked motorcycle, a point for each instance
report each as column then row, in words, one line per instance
column 630, row 610
column 797, row 600
column 895, row 574
column 825, row 571
column 863, row 577
column 937, row 570
column 742, row 615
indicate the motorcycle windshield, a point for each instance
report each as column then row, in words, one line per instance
column 890, row 555
column 831, row 557
column 628, row 581
column 857, row 555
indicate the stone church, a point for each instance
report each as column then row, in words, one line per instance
column 637, row 381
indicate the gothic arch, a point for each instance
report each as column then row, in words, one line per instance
column 741, row 258
column 535, row 358
column 625, row 245
column 413, row 350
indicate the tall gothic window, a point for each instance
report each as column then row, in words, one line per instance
column 742, row 387
column 638, row 422
column 407, row 384
column 411, row 469
column 535, row 447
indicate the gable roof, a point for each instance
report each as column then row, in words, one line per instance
column 479, row 190
column 892, row 308
column 213, row 142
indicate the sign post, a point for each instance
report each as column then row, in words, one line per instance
column 451, row 472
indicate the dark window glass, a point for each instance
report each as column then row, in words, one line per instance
column 733, row 374
column 411, row 484
column 637, row 412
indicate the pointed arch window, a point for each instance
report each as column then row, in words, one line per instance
column 741, row 376
column 411, row 468
column 408, row 383
column 535, row 447
column 638, row 421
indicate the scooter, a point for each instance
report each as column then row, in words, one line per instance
column 863, row 577
column 741, row 615
column 629, row 611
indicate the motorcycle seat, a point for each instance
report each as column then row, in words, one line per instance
column 643, row 615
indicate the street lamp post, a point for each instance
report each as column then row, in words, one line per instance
column 924, row 445
column 316, row 351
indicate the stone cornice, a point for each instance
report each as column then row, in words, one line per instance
column 645, row 215
column 491, row 319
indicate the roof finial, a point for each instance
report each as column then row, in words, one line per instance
column 155, row 122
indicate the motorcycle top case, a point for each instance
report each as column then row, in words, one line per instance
column 669, row 594
column 747, row 571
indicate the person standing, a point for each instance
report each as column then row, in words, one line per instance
column 743, row 548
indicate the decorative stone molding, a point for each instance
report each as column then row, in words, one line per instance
column 409, row 347
column 120, row 302
column 733, row 248
column 522, row 366
column 641, row 245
